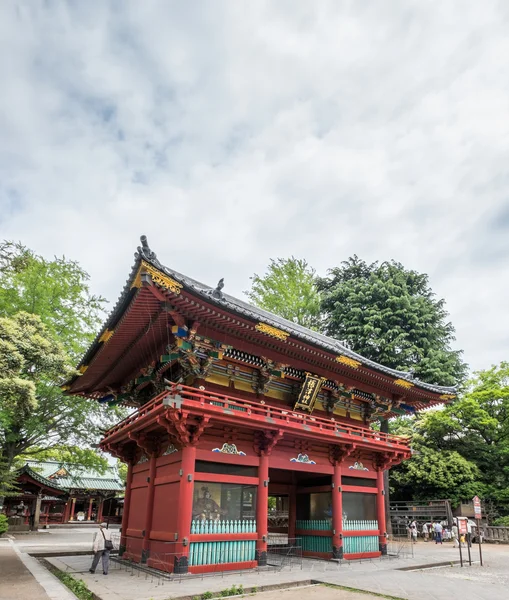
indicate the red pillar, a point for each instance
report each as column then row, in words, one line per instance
column 89, row 514
column 125, row 514
column 186, row 490
column 292, row 514
column 149, row 509
column 73, row 504
column 100, row 511
column 337, row 513
column 67, row 509
column 262, row 507
column 380, row 509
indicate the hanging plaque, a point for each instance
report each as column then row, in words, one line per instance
column 309, row 392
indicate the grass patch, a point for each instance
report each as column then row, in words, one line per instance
column 77, row 586
column 357, row 591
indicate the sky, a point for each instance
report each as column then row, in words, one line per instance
column 232, row 132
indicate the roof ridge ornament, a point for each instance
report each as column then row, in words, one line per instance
column 217, row 293
column 144, row 250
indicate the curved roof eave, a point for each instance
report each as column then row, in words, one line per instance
column 247, row 310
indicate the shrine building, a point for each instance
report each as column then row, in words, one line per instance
column 234, row 405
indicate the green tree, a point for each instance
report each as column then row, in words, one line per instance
column 57, row 290
column 34, row 414
column 477, row 427
column 31, row 362
column 288, row 289
column 390, row 315
column 85, row 457
column 434, row 475
column 463, row 449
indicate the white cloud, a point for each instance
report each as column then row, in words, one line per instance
column 232, row 132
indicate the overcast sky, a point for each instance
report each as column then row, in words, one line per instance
column 233, row 132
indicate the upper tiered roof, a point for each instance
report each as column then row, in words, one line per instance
column 233, row 317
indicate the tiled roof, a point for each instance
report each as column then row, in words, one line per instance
column 72, row 476
column 244, row 309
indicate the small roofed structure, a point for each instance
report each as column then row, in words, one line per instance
column 232, row 404
column 53, row 492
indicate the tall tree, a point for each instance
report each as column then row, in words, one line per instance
column 463, row 449
column 390, row 315
column 288, row 289
column 34, row 414
column 57, row 290
column 68, row 315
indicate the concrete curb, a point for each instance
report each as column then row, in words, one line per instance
column 51, row 585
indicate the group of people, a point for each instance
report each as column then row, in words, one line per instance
column 438, row 533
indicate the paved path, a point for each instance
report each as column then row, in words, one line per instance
column 23, row 578
column 381, row 576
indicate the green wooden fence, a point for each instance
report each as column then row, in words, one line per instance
column 208, row 527
column 316, row 524
column 359, row 544
column 216, row 553
column 355, row 525
column 315, row 543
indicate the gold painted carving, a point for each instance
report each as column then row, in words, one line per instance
column 82, row 369
column 157, row 277
column 272, row 331
column 404, row 383
column 349, row 362
column 106, row 336
column 447, row 397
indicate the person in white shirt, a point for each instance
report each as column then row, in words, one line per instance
column 102, row 547
column 425, row 532
column 455, row 535
column 438, row 533
column 469, row 534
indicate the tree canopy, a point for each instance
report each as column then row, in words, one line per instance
column 390, row 315
column 57, row 290
column 47, row 318
column 85, row 457
column 463, row 449
column 288, row 289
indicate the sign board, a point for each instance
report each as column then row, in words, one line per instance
column 477, row 507
column 462, row 526
column 309, row 392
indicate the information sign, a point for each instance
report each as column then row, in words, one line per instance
column 462, row 526
column 477, row 507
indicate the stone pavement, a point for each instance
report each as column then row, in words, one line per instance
column 19, row 580
column 23, row 578
column 379, row 576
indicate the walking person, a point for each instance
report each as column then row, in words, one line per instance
column 438, row 533
column 455, row 535
column 469, row 534
column 102, row 547
column 425, row 532
column 413, row 531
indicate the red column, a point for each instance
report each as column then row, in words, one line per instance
column 73, row 504
column 262, row 507
column 149, row 509
column 89, row 514
column 125, row 514
column 292, row 513
column 186, row 490
column 100, row 511
column 67, row 508
column 337, row 513
column 380, row 509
